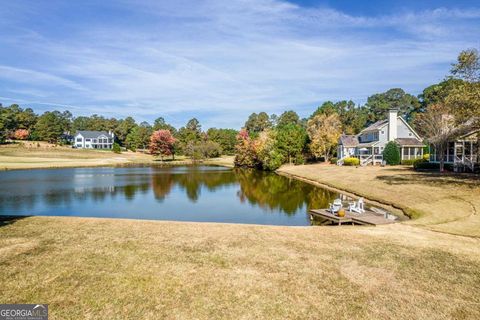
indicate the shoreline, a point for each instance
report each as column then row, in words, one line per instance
column 396, row 210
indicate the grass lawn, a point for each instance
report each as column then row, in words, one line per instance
column 104, row 269
column 443, row 202
column 31, row 156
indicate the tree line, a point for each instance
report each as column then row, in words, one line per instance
column 441, row 113
column 58, row 127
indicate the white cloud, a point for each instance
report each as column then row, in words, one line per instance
column 221, row 60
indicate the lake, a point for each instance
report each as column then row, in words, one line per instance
column 180, row 193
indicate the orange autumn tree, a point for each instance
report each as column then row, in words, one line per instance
column 162, row 143
column 21, row 134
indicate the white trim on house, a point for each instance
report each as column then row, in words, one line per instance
column 94, row 140
column 376, row 136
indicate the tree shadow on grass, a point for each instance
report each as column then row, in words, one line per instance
column 7, row 220
column 433, row 179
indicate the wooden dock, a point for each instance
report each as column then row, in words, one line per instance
column 368, row 218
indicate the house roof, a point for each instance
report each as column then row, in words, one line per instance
column 375, row 126
column 348, row 140
column 367, row 144
column 409, row 142
column 93, row 134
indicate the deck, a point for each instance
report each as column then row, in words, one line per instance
column 368, row 218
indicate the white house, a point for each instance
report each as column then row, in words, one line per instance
column 368, row 145
column 94, row 140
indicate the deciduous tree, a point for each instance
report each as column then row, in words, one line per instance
column 21, row 134
column 161, row 143
column 439, row 127
column 245, row 154
column 324, row 131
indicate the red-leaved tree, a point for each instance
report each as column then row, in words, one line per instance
column 21, row 134
column 161, row 143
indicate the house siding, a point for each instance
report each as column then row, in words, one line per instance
column 101, row 141
column 375, row 138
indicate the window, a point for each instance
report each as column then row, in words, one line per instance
column 87, row 140
column 375, row 136
column 410, row 134
column 94, row 140
column 79, row 139
column 383, row 132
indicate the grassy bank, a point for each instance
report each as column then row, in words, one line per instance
column 442, row 202
column 31, row 156
column 98, row 269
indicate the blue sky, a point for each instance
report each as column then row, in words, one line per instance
column 221, row 60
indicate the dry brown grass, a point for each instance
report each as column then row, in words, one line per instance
column 29, row 156
column 124, row 269
column 442, row 202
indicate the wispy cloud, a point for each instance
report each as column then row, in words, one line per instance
column 221, row 60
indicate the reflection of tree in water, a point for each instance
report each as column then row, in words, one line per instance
column 162, row 184
column 269, row 190
column 191, row 180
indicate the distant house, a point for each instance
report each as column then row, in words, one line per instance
column 94, row 140
column 462, row 154
column 368, row 145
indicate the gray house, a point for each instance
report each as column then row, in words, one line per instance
column 93, row 140
column 368, row 145
column 463, row 153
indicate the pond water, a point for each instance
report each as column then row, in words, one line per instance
column 187, row 193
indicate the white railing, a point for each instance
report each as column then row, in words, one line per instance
column 366, row 159
column 378, row 158
column 465, row 161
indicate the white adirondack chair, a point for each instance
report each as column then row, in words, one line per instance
column 357, row 206
column 335, row 206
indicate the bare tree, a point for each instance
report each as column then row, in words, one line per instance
column 438, row 126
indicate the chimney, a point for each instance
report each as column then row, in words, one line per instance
column 392, row 124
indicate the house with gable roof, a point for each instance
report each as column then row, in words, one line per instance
column 94, row 140
column 369, row 144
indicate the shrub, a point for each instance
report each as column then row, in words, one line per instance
column 351, row 162
column 116, row 148
column 273, row 161
column 211, row 149
column 299, row 159
column 391, row 153
column 333, row 160
column 426, row 156
column 422, row 164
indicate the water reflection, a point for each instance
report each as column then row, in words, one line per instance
column 196, row 193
